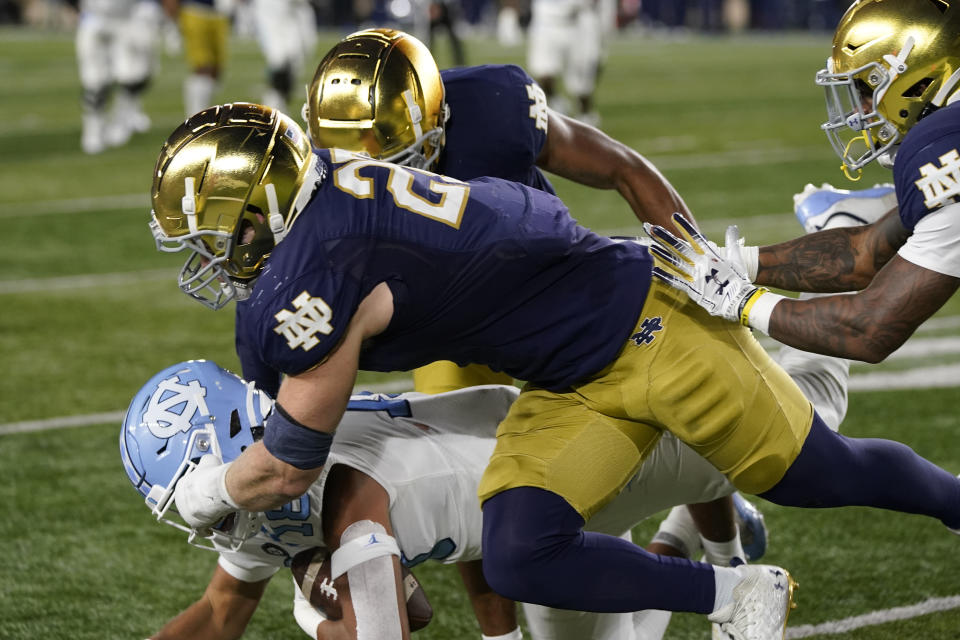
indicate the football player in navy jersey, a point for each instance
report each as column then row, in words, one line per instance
column 890, row 84
column 352, row 263
column 379, row 92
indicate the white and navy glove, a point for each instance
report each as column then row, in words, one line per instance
column 715, row 279
column 201, row 495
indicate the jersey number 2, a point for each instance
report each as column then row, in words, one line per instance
column 404, row 183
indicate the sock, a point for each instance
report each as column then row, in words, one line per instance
column 678, row 531
column 198, row 90
column 722, row 553
column 535, row 550
column 836, row 471
column 726, row 578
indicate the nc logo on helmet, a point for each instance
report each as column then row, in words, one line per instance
column 173, row 405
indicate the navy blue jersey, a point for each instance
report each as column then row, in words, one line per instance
column 489, row 272
column 497, row 126
column 927, row 167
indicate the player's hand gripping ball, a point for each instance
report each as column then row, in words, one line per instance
column 311, row 570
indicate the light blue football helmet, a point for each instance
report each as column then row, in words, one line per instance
column 185, row 412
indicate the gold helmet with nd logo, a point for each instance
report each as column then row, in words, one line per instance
column 227, row 186
column 893, row 62
column 379, row 92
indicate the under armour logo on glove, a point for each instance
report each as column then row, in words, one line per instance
column 647, row 328
column 720, row 285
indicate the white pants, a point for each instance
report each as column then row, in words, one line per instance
column 566, row 39
column 116, row 48
column 286, row 31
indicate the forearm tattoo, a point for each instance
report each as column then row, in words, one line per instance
column 868, row 325
column 833, row 260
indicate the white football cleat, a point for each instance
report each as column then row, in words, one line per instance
column 825, row 207
column 762, row 600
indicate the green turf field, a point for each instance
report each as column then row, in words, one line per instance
column 89, row 311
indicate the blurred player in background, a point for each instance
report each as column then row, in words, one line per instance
column 287, row 33
column 205, row 27
column 891, row 83
column 410, row 463
column 566, row 40
column 115, row 50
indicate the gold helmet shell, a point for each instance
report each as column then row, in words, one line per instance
column 378, row 92
column 224, row 188
column 893, row 61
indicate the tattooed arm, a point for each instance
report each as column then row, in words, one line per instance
column 834, row 260
column 895, row 296
column 870, row 324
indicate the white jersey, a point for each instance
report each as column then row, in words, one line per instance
column 428, row 452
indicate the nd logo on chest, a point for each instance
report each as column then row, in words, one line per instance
column 300, row 327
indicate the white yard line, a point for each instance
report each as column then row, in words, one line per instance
column 26, row 426
column 920, row 378
column 883, row 616
column 937, row 377
column 85, row 281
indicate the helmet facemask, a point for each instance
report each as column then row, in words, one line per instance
column 856, row 127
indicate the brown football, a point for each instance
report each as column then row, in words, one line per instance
column 311, row 570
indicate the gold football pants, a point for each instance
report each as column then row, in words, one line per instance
column 205, row 34
column 443, row 375
column 705, row 379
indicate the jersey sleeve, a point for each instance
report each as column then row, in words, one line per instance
column 297, row 325
column 927, row 168
column 935, row 243
column 253, row 368
column 498, row 121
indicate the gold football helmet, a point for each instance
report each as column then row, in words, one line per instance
column 226, row 187
column 378, row 92
column 893, row 62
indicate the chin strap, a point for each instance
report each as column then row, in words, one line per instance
column 188, row 204
column 274, row 217
column 314, row 176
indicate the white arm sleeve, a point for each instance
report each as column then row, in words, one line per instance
column 935, row 243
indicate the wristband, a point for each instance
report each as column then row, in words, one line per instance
column 516, row 634
column 293, row 443
column 757, row 307
column 751, row 261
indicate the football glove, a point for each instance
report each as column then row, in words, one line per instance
column 201, row 495
column 714, row 279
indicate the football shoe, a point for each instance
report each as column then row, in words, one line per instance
column 762, row 601
column 827, row 207
column 753, row 529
